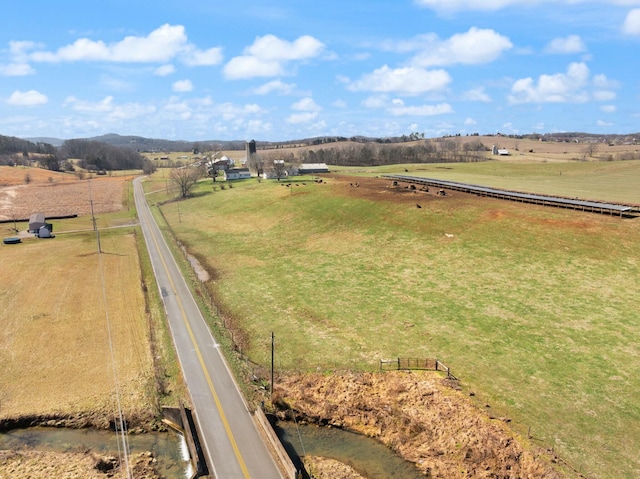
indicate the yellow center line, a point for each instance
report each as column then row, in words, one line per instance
column 216, row 399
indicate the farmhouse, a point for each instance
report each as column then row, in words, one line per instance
column 36, row 221
column 237, row 174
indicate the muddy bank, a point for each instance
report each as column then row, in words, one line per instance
column 76, row 465
column 135, row 424
column 421, row 417
column 324, row 468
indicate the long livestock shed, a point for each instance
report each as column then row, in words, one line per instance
column 591, row 206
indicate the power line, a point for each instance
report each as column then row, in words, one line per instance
column 120, row 424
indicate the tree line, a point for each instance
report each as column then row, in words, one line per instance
column 90, row 155
column 373, row 154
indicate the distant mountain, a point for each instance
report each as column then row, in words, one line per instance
column 46, row 139
column 143, row 144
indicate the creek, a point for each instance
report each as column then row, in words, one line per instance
column 367, row 456
column 169, row 448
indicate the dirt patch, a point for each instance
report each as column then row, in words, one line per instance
column 377, row 188
column 322, row 467
column 418, row 415
column 75, row 465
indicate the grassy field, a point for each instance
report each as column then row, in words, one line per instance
column 600, row 181
column 534, row 308
column 54, row 350
column 55, row 326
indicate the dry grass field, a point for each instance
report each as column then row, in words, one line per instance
column 56, row 194
column 61, row 303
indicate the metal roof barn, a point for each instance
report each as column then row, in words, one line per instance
column 36, row 221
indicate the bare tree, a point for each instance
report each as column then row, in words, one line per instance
column 185, row 179
column 256, row 163
column 589, row 150
column 279, row 169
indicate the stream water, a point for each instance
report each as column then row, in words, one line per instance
column 168, row 447
column 370, row 458
column 367, row 456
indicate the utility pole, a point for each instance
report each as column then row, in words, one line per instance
column 93, row 218
column 272, row 349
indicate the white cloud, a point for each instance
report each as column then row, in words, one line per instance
column 558, row 88
column 106, row 110
column 601, row 81
column 492, row 5
column 339, row 104
column 27, row 98
column 161, row 45
column 102, row 106
column 420, row 110
column 197, row 58
column 631, row 25
column 470, row 122
column 604, row 95
column 565, row 45
column 306, row 104
column 249, row 67
column 376, row 101
column 604, row 123
column 608, row 108
column 269, row 55
column 275, row 86
column 164, row 70
column 304, row 117
column 182, row 86
column 16, row 69
column 18, row 65
column 129, row 111
column 475, row 47
column 271, row 47
column 397, row 107
column 604, row 88
column 230, row 112
column 477, row 94
column 408, row 80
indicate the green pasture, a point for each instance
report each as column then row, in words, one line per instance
column 593, row 180
column 534, row 308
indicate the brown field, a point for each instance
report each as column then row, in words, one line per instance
column 56, row 194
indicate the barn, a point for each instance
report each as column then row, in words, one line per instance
column 313, row 168
column 36, row 221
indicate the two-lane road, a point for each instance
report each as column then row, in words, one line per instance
column 232, row 444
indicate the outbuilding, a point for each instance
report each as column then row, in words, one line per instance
column 313, row 168
column 36, row 221
column 237, row 174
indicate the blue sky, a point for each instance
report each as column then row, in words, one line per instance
column 285, row 69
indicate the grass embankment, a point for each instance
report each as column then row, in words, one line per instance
column 533, row 307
